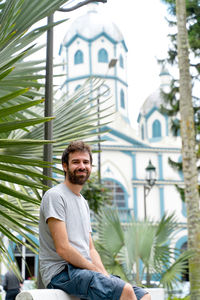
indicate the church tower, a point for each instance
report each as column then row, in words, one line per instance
column 155, row 126
column 94, row 46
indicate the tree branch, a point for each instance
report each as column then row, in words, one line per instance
column 80, row 4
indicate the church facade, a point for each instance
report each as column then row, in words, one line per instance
column 89, row 48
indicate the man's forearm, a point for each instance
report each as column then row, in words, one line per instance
column 96, row 260
column 74, row 257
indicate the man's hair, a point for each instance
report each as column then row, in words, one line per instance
column 76, row 146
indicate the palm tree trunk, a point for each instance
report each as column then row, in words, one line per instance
column 148, row 277
column 188, row 151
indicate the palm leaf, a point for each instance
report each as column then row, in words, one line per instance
column 109, row 230
column 21, row 118
column 173, row 274
column 144, row 244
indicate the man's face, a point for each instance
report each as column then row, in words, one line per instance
column 79, row 167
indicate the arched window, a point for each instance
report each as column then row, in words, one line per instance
column 156, row 129
column 121, row 61
column 102, row 56
column 78, row 57
column 122, row 100
column 117, row 193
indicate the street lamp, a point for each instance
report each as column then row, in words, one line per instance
column 111, row 64
column 150, row 182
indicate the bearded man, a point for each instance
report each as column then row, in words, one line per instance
column 68, row 258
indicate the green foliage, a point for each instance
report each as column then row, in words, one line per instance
column 95, row 193
column 141, row 246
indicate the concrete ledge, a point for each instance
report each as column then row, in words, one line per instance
column 44, row 294
column 156, row 293
column 54, row 294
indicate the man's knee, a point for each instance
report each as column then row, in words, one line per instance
column 127, row 292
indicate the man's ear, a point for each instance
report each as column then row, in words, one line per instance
column 64, row 165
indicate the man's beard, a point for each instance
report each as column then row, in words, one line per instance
column 77, row 179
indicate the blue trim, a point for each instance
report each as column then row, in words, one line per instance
column 150, row 112
column 135, row 208
column 34, row 239
column 142, row 131
column 162, row 203
column 60, row 49
column 121, row 61
column 36, row 265
column 10, row 250
column 98, row 76
column 181, row 241
column 122, row 100
column 135, row 143
column 160, row 166
column 139, row 117
column 136, row 148
column 95, row 38
column 146, row 127
column 158, row 182
column 77, row 87
column 134, row 166
column 166, row 122
column 125, row 137
column 155, row 108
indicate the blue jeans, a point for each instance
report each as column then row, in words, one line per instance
column 89, row 285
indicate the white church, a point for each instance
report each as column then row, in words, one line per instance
column 94, row 46
column 90, row 47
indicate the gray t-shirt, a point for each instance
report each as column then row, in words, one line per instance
column 61, row 203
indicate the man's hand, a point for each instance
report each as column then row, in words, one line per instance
column 96, row 260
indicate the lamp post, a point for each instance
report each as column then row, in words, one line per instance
column 111, row 64
column 150, row 182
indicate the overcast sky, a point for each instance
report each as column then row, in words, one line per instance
column 143, row 25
